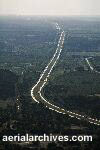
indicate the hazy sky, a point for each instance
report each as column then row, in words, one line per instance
column 50, row 7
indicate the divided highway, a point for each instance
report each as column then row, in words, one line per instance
column 36, row 91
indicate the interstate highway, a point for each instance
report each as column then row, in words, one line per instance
column 36, row 91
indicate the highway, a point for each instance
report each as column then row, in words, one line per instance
column 36, row 91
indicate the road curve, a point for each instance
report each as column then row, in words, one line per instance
column 36, row 91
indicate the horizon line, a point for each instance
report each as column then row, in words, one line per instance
column 49, row 15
